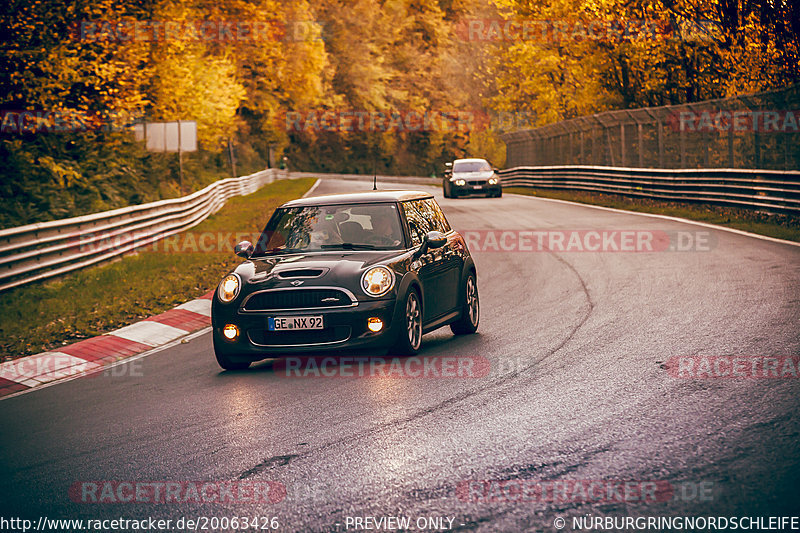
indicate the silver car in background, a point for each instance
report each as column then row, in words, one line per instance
column 472, row 177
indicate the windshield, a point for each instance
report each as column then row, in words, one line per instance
column 332, row 227
column 471, row 166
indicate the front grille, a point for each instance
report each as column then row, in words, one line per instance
column 263, row 337
column 297, row 299
column 477, row 182
column 301, row 273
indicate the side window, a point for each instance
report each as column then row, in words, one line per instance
column 417, row 225
column 424, row 216
column 430, row 212
column 441, row 222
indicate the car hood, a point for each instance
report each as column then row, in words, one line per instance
column 482, row 175
column 330, row 268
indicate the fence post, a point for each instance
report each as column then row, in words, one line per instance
column 641, row 144
column 622, row 144
column 571, row 152
column 660, row 144
column 731, row 160
column 683, row 146
column 756, row 146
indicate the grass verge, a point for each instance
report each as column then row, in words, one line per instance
column 779, row 226
column 97, row 300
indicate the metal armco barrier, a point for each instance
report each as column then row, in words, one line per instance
column 763, row 190
column 48, row 249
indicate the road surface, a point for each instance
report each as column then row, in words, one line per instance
column 583, row 393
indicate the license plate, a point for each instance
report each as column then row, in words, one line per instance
column 477, row 186
column 286, row 323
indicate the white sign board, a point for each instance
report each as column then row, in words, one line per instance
column 166, row 136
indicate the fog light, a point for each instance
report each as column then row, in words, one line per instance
column 230, row 331
column 375, row 324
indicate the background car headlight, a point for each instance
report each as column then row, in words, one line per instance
column 460, row 182
column 377, row 281
column 492, row 181
column 229, row 288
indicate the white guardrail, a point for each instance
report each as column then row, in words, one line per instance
column 48, row 249
column 772, row 191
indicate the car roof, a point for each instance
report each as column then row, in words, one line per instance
column 471, row 160
column 360, row 197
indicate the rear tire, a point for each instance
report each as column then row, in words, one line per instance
column 409, row 338
column 470, row 317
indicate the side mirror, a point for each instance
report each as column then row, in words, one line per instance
column 244, row 249
column 435, row 239
column 431, row 241
column 496, row 169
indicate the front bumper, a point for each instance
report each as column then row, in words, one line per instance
column 474, row 189
column 344, row 329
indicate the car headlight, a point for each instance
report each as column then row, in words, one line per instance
column 229, row 288
column 460, row 182
column 492, row 181
column 377, row 281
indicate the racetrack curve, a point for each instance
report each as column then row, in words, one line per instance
column 578, row 344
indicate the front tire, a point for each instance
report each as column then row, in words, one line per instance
column 409, row 338
column 467, row 323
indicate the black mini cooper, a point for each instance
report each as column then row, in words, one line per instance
column 345, row 271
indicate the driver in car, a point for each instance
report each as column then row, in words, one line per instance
column 383, row 233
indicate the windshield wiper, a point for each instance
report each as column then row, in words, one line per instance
column 348, row 246
column 279, row 251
